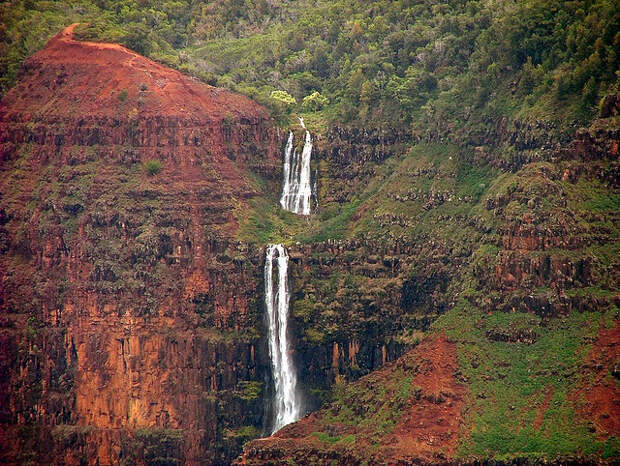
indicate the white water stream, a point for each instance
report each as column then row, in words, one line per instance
column 296, row 183
column 287, row 405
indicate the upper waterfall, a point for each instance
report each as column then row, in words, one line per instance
column 296, row 183
column 287, row 405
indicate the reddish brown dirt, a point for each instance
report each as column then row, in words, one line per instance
column 600, row 402
column 427, row 432
column 168, row 91
column 543, row 408
column 430, row 427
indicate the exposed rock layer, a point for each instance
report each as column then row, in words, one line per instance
column 426, row 420
column 129, row 313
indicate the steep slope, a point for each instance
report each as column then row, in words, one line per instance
column 128, row 310
column 460, row 397
column 408, row 411
column 158, row 107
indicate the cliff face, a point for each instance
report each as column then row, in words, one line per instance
column 357, row 306
column 131, row 310
column 130, row 315
column 508, row 264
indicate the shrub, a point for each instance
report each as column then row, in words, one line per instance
column 250, row 390
column 283, row 98
column 122, row 96
column 280, row 104
column 153, row 167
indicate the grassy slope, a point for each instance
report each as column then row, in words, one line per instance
column 523, row 398
column 523, row 395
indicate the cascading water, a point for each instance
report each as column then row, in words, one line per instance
column 296, row 185
column 287, row 406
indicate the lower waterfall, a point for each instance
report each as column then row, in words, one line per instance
column 287, row 405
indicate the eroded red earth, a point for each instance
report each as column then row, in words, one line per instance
column 426, row 432
column 599, row 399
column 99, row 71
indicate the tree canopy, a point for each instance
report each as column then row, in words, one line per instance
column 397, row 63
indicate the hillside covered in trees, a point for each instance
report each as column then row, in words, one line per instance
column 414, row 64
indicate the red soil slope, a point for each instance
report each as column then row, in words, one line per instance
column 425, row 433
column 99, row 71
column 599, row 400
column 89, row 94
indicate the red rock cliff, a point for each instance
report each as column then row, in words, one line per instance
column 128, row 312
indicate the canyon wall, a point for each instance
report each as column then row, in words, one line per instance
column 130, row 315
column 131, row 312
column 515, row 283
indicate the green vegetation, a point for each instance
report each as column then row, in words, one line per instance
column 445, row 64
column 154, row 446
column 250, row 390
column 242, row 433
column 284, row 98
column 531, row 384
column 346, row 441
column 68, row 435
column 372, row 406
column 281, row 104
column 314, row 102
column 153, row 167
column 266, row 223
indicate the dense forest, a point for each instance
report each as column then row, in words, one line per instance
column 412, row 63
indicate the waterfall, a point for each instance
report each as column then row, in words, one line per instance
column 287, row 406
column 296, row 183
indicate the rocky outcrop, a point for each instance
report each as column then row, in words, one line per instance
column 343, row 146
column 358, row 306
column 510, row 145
column 599, row 404
column 408, row 412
